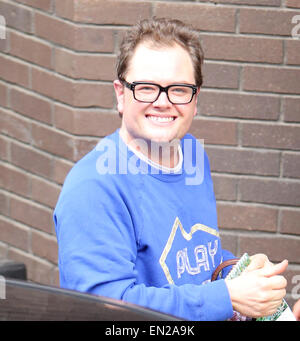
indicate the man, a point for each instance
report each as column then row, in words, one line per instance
column 136, row 219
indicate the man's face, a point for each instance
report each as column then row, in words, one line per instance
column 160, row 121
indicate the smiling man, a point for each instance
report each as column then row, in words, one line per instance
column 146, row 235
column 165, row 95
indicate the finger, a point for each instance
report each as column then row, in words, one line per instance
column 274, row 270
column 274, row 302
column 273, row 307
column 277, row 282
column 277, row 296
column 271, row 295
column 258, row 261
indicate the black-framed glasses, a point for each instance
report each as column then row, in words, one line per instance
column 149, row 92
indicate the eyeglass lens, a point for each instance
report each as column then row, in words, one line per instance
column 177, row 94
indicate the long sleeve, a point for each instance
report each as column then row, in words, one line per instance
column 115, row 239
column 97, row 254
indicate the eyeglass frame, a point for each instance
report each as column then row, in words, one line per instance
column 131, row 86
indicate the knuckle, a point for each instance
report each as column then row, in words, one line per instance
column 284, row 282
column 264, row 297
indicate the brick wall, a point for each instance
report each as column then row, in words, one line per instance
column 57, row 64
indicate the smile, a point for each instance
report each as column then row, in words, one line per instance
column 161, row 119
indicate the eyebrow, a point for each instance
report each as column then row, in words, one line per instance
column 155, row 82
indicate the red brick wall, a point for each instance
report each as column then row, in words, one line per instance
column 57, row 64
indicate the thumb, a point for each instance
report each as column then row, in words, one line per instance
column 273, row 270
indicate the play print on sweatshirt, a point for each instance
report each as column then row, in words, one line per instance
column 192, row 259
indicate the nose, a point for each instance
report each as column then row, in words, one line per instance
column 162, row 100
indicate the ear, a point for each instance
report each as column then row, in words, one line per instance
column 196, row 101
column 119, row 91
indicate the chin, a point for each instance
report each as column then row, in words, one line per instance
column 163, row 139
column 160, row 135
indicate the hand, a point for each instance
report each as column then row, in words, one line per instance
column 296, row 310
column 258, row 261
column 259, row 291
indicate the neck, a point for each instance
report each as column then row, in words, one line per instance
column 162, row 153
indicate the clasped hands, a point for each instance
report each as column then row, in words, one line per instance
column 259, row 290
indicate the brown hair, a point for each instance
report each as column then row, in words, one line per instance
column 161, row 32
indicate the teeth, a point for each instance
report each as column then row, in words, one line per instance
column 161, row 119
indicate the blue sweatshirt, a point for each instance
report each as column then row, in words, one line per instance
column 129, row 231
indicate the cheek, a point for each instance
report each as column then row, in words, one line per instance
column 187, row 113
column 135, row 109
